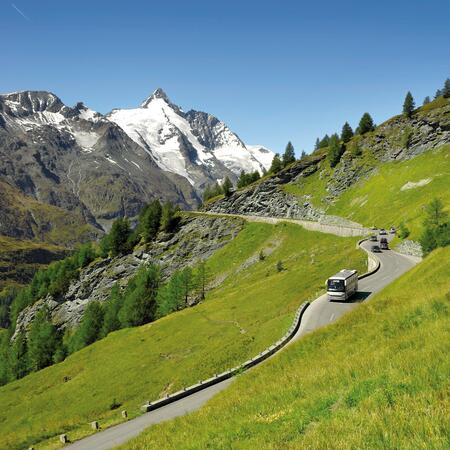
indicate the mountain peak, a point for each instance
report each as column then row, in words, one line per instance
column 159, row 93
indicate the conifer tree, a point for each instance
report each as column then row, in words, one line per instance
column 18, row 362
column 347, row 132
column 365, row 124
column 201, row 279
column 139, row 304
column 90, row 327
column 303, row 155
column 169, row 217
column 408, row 105
column 438, row 94
column 118, row 237
column 42, row 341
column 276, row 165
column 324, row 142
column 289, row 154
column 150, row 221
column 335, row 150
column 446, row 90
column 317, row 144
column 426, row 100
column 227, row 187
column 112, row 307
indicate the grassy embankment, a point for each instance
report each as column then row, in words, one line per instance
column 386, row 194
column 248, row 311
column 377, row 378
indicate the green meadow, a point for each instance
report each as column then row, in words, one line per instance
column 251, row 307
column 377, row 378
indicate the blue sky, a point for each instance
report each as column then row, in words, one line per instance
column 272, row 70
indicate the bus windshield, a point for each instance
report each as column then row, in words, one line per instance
column 336, row 285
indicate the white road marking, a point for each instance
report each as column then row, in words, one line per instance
column 332, row 317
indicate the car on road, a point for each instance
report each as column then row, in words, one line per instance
column 373, row 238
column 384, row 243
column 343, row 285
column 375, row 249
column 382, row 231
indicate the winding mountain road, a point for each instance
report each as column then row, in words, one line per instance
column 321, row 312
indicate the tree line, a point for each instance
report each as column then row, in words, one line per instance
column 143, row 300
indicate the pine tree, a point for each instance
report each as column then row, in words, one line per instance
column 5, row 375
column 276, row 165
column 170, row 296
column 118, row 237
column 112, row 307
column 242, row 181
column 150, row 221
column 227, row 187
column 187, row 283
column 438, row 94
column 139, row 304
column 90, row 327
column 435, row 214
column 201, row 279
column 446, row 90
column 170, row 217
column 365, row 124
column 335, row 150
column 426, row 100
column 42, row 341
column 324, row 142
column 317, row 144
column 303, row 155
column 19, row 366
column 104, row 246
column 289, row 154
column 85, row 255
column 408, row 105
column 347, row 132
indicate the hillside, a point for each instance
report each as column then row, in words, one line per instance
column 251, row 307
column 384, row 177
column 32, row 234
column 360, row 383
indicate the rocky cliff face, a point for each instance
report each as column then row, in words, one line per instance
column 197, row 239
column 266, row 198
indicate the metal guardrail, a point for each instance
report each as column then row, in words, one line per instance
column 269, row 351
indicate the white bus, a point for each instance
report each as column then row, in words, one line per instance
column 342, row 285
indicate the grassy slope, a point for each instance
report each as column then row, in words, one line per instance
column 381, row 194
column 378, row 378
column 49, row 223
column 19, row 259
column 250, row 310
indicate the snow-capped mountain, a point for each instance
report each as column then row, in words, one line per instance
column 108, row 166
column 195, row 145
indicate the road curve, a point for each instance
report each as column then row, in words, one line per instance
column 321, row 312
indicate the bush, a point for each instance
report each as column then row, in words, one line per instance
column 403, row 231
column 436, row 231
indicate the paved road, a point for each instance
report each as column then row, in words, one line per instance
column 344, row 229
column 321, row 312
